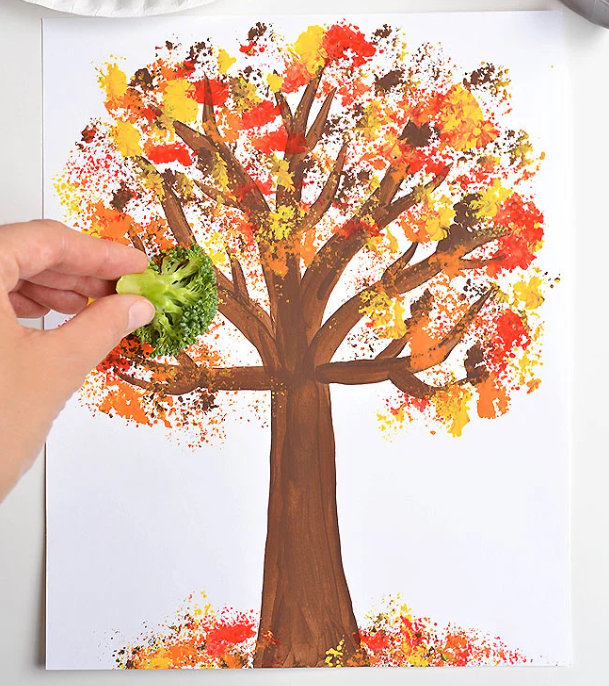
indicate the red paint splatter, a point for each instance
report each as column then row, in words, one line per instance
column 175, row 152
column 295, row 77
column 260, row 115
column 296, row 143
column 343, row 41
column 270, row 142
column 354, row 225
column 219, row 92
column 227, row 640
column 228, row 632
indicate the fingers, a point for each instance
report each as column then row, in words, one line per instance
column 85, row 340
column 67, row 302
column 61, row 292
column 26, row 308
column 89, row 286
column 34, row 247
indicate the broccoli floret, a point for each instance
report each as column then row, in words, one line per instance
column 181, row 284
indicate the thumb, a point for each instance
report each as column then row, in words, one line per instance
column 87, row 338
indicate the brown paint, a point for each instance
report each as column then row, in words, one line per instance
column 389, row 80
column 306, row 605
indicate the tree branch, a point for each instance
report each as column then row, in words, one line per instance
column 361, row 372
column 284, row 288
column 399, row 265
column 178, row 224
column 394, row 347
column 209, row 118
column 477, row 263
column 410, row 384
column 329, row 337
column 180, row 380
column 401, row 205
column 217, row 195
column 337, row 326
column 175, row 217
column 438, row 353
column 301, row 116
column 327, row 266
column 135, row 239
column 317, row 127
column 328, row 192
column 243, row 187
column 284, row 110
column 296, row 130
column 251, row 319
column 332, row 258
column 238, row 276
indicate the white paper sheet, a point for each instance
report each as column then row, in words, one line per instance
column 472, row 531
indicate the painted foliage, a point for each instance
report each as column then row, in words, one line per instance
column 371, row 219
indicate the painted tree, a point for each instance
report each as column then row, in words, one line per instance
column 369, row 214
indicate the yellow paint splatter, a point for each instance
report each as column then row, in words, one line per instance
column 437, row 222
column 334, row 656
column 462, row 121
column 217, row 256
column 275, row 82
column 308, row 47
column 114, row 82
column 245, row 94
column 151, row 178
column 281, row 222
column 385, row 313
column 378, row 306
column 394, row 245
column 225, row 61
column 433, row 220
column 415, row 655
column 398, row 327
column 372, row 121
column 529, row 292
column 127, row 139
column 487, row 205
column 280, row 169
column 452, row 406
column 220, row 173
column 523, row 150
column 178, row 100
column 69, row 195
column 183, row 185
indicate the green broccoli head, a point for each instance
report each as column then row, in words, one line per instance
column 181, row 284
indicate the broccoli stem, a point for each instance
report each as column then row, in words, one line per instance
column 181, row 284
column 150, row 284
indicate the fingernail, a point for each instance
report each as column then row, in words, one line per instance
column 140, row 313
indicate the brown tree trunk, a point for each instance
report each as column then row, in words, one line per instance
column 306, row 606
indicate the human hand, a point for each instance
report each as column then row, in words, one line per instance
column 44, row 265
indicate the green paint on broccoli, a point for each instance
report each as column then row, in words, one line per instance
column 181, row 284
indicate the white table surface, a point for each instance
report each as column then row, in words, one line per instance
column 22, row 514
